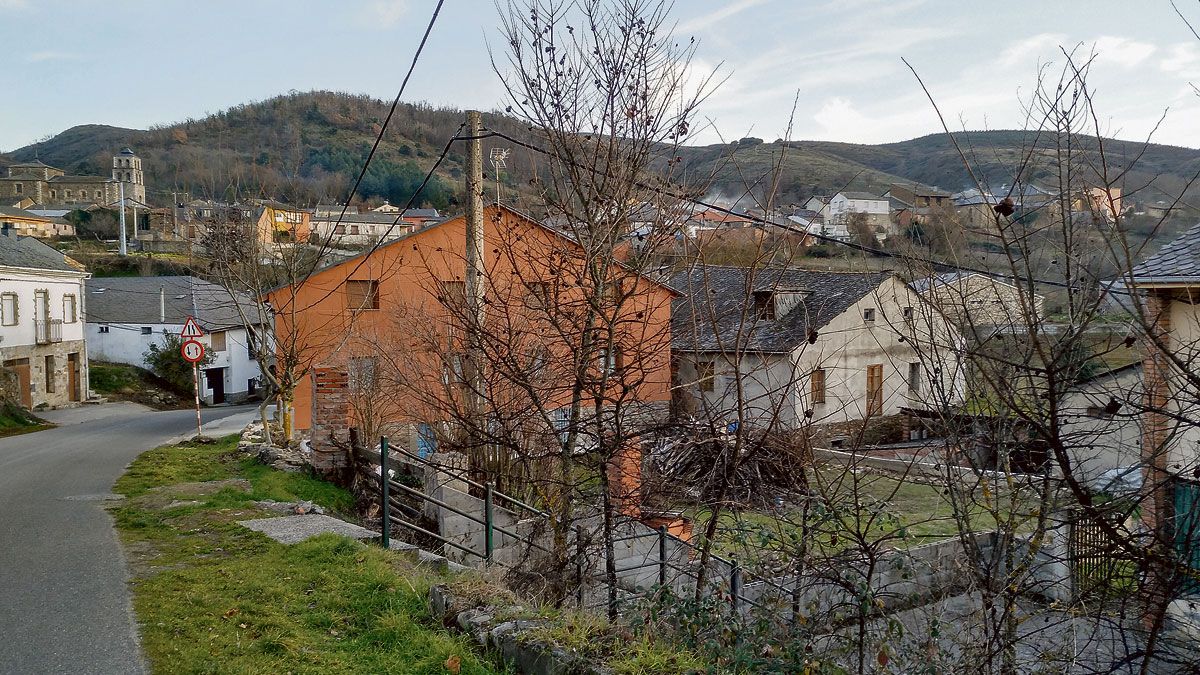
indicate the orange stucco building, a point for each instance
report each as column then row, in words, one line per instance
column 396, row 312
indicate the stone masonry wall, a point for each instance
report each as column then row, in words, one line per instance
column 60, row 379
column 330, row 420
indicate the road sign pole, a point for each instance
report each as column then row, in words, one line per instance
column 196, row 380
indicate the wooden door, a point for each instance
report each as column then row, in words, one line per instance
column 24, row 380
column 73, row 377
column 874, row 389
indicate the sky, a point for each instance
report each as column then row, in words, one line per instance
column 137, row 63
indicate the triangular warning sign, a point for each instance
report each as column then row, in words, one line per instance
column 191, row 329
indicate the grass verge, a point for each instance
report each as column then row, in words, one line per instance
column 15, row 420
column 212, row 596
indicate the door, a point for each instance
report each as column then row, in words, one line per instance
column 24, row 380
column 874, row 389
column 73, row 377
column 215, row 377
column 1187, row 530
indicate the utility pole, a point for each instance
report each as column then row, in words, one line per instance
column 475, row 268
column 122, row 248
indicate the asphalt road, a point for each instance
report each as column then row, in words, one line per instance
column 64, row 599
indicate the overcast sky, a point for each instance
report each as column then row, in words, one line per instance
column 135, row 63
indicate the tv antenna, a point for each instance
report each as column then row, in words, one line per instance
column 499, row 159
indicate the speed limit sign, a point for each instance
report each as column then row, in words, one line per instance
column 193, row 351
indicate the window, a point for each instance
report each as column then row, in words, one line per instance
column 99, row 194
column 610, row 361
column 540, row 294
column 103, row 329
column 20, row 189
column 453, row 294
column 362, row 295
column 217, row 341
column 147, row 330
column 817, row 384
column 764, row 305
column 362, row 374
column 706, row 372
column 69, row 194
column 874, row 389
column 869, row 315
column 9, row 309
column 49, row 374
column 70, row 315
column 54, row 194
column 909, row 315
column 914, row 378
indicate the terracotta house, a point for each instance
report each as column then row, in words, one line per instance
column 391, row 321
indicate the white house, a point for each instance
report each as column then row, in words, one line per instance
column 804, row 346
column 42, row 346
column 126, row 315
column 876, row 209
column 367, row 229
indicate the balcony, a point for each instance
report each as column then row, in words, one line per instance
column 47, row 331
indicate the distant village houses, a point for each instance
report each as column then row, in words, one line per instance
column 49, row 186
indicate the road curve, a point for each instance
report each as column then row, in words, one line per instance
column 64, row 596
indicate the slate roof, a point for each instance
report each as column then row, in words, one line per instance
column 376, row 218
column 722, row 292
column 20, row 213
column 136, row 300
column 30, row 253
column 1179, row 260
column 862, row 195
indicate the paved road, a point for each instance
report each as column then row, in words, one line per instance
column 64, row 599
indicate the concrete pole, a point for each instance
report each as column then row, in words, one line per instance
column 475, row 270
column 122, row 248
column 474, row 249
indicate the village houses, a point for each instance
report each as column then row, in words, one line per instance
column 41, row 323
column 125, row 315
column 49, row 186
column 974, row 299
column 785, row 347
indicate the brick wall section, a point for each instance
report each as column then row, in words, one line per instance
column 1156, row 369
column 330, row 420
column 625, row 479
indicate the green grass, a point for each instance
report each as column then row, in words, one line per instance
column 15, row 420
column 111, row 378
column 212, row 596
column 867, row 509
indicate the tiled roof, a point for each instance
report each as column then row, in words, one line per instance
column 1179, row 260
column 30, row 253
column 136, row 300
column 713, row 314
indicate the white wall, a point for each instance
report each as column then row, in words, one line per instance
column 1097, row 444
column 25, row 284
column 777, row 386
column 125, row 343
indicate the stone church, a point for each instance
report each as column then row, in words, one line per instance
column 45, row 185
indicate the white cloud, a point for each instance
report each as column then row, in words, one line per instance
column 1182, row 59
column 1030, row 49
column 838, row 118
column 44, row 56
column 382, row 13
column 701, row 22
column 1122, row 51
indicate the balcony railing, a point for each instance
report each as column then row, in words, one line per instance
column 47, row 331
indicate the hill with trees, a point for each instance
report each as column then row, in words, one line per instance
column 307, row 148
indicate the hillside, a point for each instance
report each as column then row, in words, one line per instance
column 308, row 147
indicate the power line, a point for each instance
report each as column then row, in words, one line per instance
column 392, row 111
